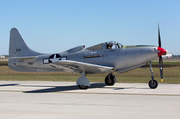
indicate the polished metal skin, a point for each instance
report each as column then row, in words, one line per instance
column 107, row 57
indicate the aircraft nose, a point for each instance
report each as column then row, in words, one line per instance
column 161, row 51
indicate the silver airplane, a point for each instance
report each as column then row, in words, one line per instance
column 107, row 57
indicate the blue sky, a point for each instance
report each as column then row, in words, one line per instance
column 51, row 26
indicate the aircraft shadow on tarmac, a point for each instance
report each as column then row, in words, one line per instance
column 67, row 88
column 63, row 88
column 8, row 85
column 72, row 87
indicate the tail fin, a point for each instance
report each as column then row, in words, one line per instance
column 18, row 47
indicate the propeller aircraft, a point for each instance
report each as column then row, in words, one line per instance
column 106, row 57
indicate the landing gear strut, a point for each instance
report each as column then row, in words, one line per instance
column 110, row 80
column 152, row 83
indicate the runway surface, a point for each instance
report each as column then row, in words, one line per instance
column 52, row 100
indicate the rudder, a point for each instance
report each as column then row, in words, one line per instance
column 17, row 45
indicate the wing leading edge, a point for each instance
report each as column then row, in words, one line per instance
column 78, row 67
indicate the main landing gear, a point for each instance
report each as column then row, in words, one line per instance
column 110, row 80
column 83, row 82
column 152, row 83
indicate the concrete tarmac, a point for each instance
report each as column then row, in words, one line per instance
column 64, row 100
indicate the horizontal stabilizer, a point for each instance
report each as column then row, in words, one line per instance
column 24, row 58
column 78, row 67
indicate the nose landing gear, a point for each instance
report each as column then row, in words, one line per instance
column 152, row 83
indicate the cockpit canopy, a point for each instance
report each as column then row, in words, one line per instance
column 113, row 45
column 106, row 45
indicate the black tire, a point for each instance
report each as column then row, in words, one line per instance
column 153, row 85
column 83, row 87
column 111, row 81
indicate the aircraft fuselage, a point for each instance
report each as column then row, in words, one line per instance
column 120, row 58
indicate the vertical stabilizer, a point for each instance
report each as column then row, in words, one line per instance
column 18, row 47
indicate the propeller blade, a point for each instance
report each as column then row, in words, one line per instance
column 162, row 51
column 161, row 67
column 159, row 37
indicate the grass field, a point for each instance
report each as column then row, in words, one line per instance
column 171, row 75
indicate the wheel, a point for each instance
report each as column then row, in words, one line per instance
column 110, row 80
column 83, row 87
column 153, row 84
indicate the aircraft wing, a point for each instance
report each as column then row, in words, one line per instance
column 24, row 58
column 78, row 67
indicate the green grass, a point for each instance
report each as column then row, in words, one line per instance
column 176, row 63
column 171, row 75
column 3, row 62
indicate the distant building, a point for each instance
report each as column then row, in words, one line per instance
column 168, row 55
column 2, row 57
